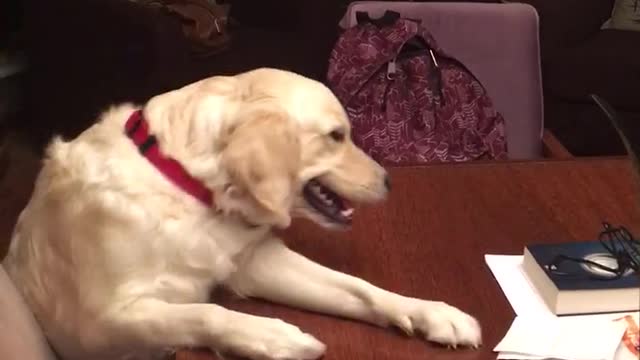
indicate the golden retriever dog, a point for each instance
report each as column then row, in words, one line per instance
column 117, row 250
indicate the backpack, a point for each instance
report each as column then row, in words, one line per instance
column 407, row 100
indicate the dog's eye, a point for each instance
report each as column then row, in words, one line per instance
column 337, row 135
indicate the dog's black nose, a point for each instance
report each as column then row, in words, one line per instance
column 387, row 182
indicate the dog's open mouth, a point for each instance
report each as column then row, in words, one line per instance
column 328, row 203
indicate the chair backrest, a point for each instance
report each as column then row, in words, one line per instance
column 20, row 335
column 499, row 43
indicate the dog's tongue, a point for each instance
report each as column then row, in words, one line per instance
column 347, row 209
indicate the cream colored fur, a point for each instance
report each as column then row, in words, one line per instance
column 118, row 263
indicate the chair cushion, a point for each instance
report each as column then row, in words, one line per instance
column 20, row 335
column 606, row 65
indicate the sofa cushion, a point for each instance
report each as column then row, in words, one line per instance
column 254, row 47
column 288, row 15
column 568, row 22
column 606, row 65
column 625, row 16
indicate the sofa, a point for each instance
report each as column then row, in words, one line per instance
column 580, row 58
column 117, row 51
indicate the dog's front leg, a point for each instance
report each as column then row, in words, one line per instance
column 157, row 324
column 276, row 273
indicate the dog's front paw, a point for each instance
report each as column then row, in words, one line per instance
column 438, row 322
column 266, row 338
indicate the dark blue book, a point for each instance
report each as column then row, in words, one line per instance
column 574, row 287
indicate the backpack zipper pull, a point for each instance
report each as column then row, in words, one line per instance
column 391, row 75
column 438, row 77
column 433, row 58
column 391, row 69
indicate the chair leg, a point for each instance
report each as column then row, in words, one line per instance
column 553, row 148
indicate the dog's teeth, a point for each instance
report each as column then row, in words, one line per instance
column 347, row 212
column 322, row 194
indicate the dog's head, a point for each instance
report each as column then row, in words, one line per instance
column 285, row 147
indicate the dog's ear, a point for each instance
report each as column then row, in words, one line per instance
column 262, row 157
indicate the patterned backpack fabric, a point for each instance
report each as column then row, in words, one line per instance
column 408, row 101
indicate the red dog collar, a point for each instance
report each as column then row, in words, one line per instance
column 137, row 129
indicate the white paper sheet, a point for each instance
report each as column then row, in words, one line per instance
column 538, row 334
column 568, row 337
column 524, row 299
column 518, row 356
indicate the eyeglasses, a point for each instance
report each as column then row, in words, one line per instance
column 622, row 258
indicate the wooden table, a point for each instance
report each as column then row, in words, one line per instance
column 429, row 239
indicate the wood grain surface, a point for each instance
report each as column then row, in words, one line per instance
column 429, row 239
